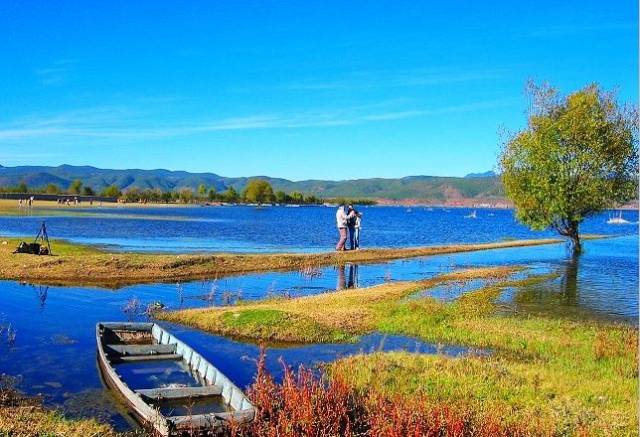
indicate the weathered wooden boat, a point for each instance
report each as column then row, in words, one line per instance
column 121, row 343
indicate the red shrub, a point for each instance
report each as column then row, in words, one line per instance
column 308, row 405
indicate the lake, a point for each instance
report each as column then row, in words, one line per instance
column 279, row 229
column 54, row 350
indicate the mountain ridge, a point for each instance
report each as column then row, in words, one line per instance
column 429, row 189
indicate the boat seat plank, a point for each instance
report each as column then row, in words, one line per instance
column 157, row 357
column 211, row 420
column 131, row 327
column 146, row 349
column 181, row 392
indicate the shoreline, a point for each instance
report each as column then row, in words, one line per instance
column 11, row 205
column 74, row 264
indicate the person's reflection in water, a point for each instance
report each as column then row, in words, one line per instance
column 341, row 279
column 353, row 276
column 353, row 279
column 42, row 292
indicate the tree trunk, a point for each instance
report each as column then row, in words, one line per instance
column 570, row 230
column 574, row 236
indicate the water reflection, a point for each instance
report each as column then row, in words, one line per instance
column 569, row 281
column 560, row 289
column 350, row 281
column 580, row 287
column 42, row 292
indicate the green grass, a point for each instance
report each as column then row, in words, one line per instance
column 264, row 322
column 561, row 376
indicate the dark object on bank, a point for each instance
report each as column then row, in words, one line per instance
column 36, row 248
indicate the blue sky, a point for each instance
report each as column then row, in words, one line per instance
column 336, row 90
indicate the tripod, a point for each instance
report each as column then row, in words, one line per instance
column 44, row 237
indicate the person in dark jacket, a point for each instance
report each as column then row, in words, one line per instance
column 351, row 226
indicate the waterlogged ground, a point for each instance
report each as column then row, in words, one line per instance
column 54, row 349
column 54, row 327
column 600, row 284
column 278, row 229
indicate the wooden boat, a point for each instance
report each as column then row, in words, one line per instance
column 139, row 342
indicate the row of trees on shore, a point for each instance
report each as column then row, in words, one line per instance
column 76, row 188
column 257, row 191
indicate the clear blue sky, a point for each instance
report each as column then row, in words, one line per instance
column 296, row 89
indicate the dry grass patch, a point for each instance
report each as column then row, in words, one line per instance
column 327, row 317
column 74, row 264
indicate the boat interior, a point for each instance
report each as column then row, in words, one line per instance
column 170, row 376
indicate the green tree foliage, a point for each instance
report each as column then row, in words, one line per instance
column 212, row 195
column 75, row 187
column 312, row 200
column 88, row 191
column 22, row 187
column 111, row 191
column 202, row 190
column 52, row 189
column 576, row 157
column 281, row 197
column 297, row 197
column 166, row 196
column 258, row 191
column 185, row 195
column 132, row 195
column 231, row 195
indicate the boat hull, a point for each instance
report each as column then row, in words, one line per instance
column 151, row 342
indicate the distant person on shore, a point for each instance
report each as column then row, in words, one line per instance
column 342, row 219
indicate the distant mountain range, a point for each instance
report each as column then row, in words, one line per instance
column 474, row 188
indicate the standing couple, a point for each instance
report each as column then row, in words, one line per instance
column 348, row 220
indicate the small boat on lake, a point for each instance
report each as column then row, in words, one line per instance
column 217, row 399
column 617, row 220
column 472, row 215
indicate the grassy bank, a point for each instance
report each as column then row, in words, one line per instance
column 330, row 317
column 83, row 265
column 22, row 416
column 558, row 376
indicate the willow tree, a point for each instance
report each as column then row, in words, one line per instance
column 577, row 156
column 258, row 191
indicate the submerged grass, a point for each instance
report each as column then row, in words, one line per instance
column 23, row 416
column 559, row 376
column 74, row 264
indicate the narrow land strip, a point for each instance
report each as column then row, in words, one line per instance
column 74, row 264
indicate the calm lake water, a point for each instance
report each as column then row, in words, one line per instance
column 278, row 229
column 54, row 350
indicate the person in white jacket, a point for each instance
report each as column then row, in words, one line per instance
column 342, row 218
